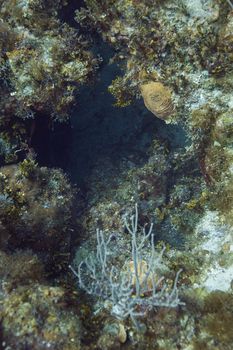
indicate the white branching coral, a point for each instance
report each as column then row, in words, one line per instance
column 137, row 287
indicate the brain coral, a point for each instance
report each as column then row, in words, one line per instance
column 157, row 99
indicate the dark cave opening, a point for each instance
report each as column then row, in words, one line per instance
column 51, row 142
column 97, row 128
column 67, row 13
column 100, row 137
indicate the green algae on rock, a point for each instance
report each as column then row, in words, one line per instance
column 36, row 316
column 46, row 59
column 36, row 204
column 20, row 268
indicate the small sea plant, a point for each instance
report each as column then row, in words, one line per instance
column 136, row 288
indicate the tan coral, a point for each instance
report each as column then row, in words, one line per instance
column 157, row 99
column 122, row 335
column 143, row 276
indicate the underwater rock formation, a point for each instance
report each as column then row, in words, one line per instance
column 35, row 209
column 43, row 63
column 186, row 46
column 21, row 267
column 43, row 60
column 35, row 316
column 182, row 52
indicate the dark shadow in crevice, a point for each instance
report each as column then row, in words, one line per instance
column 101, row 130
column 97, row 129
column 67, row 13
column 51, row 142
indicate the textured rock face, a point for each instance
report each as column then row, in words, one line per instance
column 42, row 57
column 23, row 311
column 205, row 10
column 177, row 55
column 216, row 241
column 35, row 209
column 184, row 47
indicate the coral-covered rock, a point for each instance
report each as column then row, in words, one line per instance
column 37, row 317
column 20, row 268
column 35, row 208
column 226, row 34
column 44, row 59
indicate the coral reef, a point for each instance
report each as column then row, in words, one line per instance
column 183, row 47
column 176, row 57
column 46, row 60
column 153, row 38
column 151, row 42
column 174, row 202
column 214, row 324
column 35, row 209
column 37, row 317
column 43, row 63
column 22, row 267
column 134, row 288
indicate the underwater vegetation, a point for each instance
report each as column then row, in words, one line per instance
column 150, row 37
column 35, row 209
column 43, row 63
column 46, row 60
column 134, row 289
column 175, row 61
column 35, row 316
column 177, row 55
